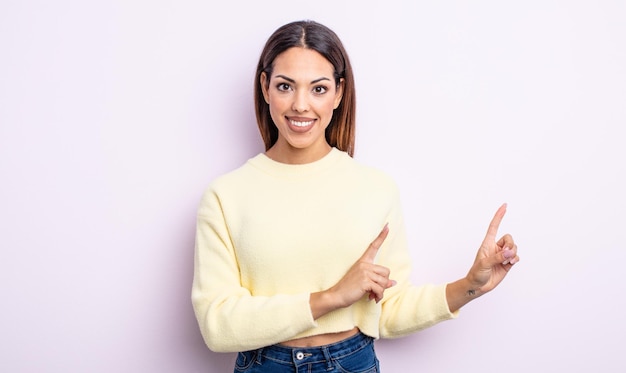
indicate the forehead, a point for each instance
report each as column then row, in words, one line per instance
column 302, row 63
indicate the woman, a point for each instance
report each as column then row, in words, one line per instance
column 301, row 253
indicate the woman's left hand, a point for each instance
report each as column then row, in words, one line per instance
column 494, row 258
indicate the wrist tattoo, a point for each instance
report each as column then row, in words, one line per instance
column 471, row 292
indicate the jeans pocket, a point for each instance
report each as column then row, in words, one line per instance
column 244, row 360
column 362, row 361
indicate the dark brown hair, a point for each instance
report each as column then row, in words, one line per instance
column 340, row 133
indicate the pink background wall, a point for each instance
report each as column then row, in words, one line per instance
column 115, row 115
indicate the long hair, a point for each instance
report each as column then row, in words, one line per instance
column 340, row 133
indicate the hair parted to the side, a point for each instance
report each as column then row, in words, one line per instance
column 340, row 133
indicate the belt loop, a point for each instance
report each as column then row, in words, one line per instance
column 329, row 363
column 259, row 355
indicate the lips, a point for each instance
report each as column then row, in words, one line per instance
column 300, row 124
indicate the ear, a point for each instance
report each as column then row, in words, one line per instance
column 339, row 93
column 264, row 84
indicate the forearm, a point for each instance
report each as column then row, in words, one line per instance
column 320, row 304
column 461, row 292
column 323, row 302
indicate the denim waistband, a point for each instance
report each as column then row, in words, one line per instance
column 320, row 354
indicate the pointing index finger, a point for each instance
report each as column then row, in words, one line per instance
column 372, row 249
column 492, row 231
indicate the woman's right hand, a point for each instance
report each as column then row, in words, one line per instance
column 364, row 277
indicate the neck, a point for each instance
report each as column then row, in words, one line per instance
column 291, row 155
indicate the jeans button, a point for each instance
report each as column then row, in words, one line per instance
column 300, row 355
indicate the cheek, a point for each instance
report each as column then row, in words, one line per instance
column 277, row 105
column 327, row 107
column 279, row 102
column 331, row 110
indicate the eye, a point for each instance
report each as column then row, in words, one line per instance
column 320, row 90
column 283, row 87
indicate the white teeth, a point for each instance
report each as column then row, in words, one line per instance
column 301, row 124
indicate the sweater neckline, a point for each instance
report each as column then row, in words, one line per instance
column 270, row 166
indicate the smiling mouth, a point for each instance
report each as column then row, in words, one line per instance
column 298, row 123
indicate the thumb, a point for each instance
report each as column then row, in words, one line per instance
column 372, row 249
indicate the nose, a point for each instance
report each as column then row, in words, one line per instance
column 300, row 102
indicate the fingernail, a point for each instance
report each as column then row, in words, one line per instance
column 508, row 253
column 393, row 282
column 505, row 262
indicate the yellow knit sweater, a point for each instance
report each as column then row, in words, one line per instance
column 269, row 234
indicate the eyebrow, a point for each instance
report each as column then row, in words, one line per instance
column 312, row 81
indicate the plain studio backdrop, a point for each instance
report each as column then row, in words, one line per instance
column 116, row 115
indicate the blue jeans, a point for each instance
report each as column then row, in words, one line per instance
column 352, row 355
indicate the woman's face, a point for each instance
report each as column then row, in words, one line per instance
column 302, row 96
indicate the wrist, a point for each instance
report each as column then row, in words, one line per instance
column 471, row 288
column 324, row 302
column 461, row 292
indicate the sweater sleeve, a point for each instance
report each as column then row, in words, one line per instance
column 230, row 318
column 407, row 308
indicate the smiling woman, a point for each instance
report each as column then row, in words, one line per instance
column 302, row 95
column 295, row 248
column 320, row 40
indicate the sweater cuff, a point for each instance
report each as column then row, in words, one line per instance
column 444, row 303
